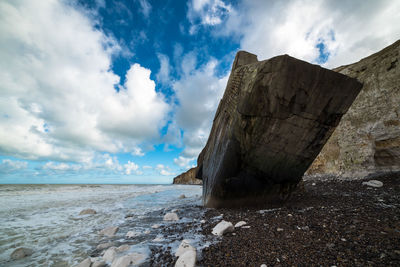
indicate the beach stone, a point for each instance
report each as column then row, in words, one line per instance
column 109, row 231
column 105, row 245
column 187, row 259
column 373, row 183
column 223, row 227
column 85, row 263
column 158, row 239
column 123, row 248
column 203, row 221
column 130, row 259
column 182, row 196
column 240, row 224
column 263, row 265
column 146, row 232
column 87, row 211
column 273, row 120
column 279, row 229
column 155, row 226
column 99, row 264
column 171, row 216
column 109, row 254
column 20, row 253
column 132, row 234
column 183, row 247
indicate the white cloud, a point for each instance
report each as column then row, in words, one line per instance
column 163, row 74
column 349, row 30
column 131, row 167
column 207, row 13
column 198, row 92
column 8, row 166
column 145, row 8
column 57, row 96
column 183, row 162
column 164, row 170
column 147, row 167
column 61, row 166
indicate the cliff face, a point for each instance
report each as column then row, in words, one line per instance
column 273, row 120
column 188, row 177
column 367, row 139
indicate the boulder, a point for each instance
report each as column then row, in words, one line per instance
column 130, row 259
column 132, row 234
column 171, row 216
column 20, row 253
column 87, row 211
column 123, row 248
column 367, row 140
column 273, row 120
column 187, row 259
column 223, row 227
column 109, row 231
column 109, row 254
column 188, row 177
column 85, row 263
column 183, row 247
column 99, row 264
column 105, row 245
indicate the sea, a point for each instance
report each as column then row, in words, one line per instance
column 45, row 218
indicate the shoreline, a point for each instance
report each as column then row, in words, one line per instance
column 325, row 223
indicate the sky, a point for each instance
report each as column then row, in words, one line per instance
column 125, row 91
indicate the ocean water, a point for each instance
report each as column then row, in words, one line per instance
column 46, row 218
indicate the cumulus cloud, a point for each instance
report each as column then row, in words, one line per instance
column 9, row 166
column 338, row 32
column 164, row 170
column 131, row 167
column 198, row 92
column 59, row 98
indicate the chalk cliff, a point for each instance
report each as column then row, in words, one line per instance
column 273, row 120
column 367, row 139
column 188, row 177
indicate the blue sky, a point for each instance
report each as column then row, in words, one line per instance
column 125, row 91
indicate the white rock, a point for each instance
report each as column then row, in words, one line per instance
column 109, row 231
column 174, row 210
column 246, row 227
column 222, row 228
column 171, row 216
column 87, row 211
column 187, row 259
column 105, row 245
column 110, row 254
column 373, row 183
column 240, row 224
column 146, row 232
column 158, row 239
column 203, row 221
column 279, row 229
column 130, row 259
column 123, row 248
column 99, row 264
column 182, row 196
column 263, row 265
column 20, row 253
column 132, row 234
column 155, row 226
column 183, row 247
column 85, row 263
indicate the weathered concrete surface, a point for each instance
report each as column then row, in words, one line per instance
column 188, row 177
column 367, row 139
column 272, row 122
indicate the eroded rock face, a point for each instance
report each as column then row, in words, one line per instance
column 188, row 177
column 272, row 122
column 367, row 140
